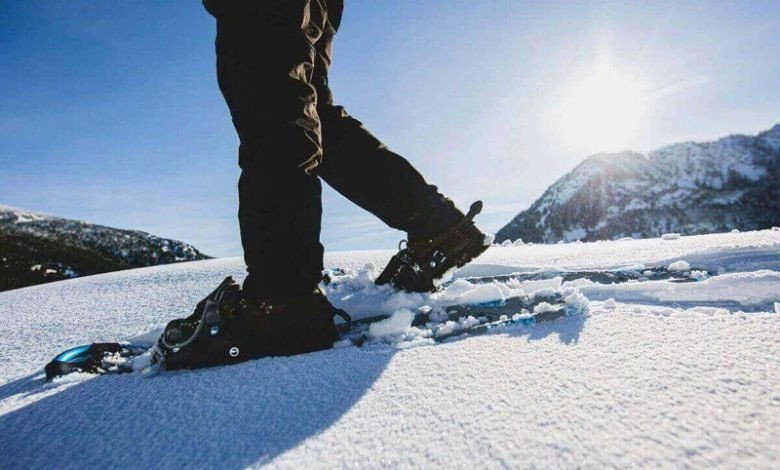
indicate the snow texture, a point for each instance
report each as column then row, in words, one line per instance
column 656, row 373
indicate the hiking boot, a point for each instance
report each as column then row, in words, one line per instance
column 423, row 264
column 227, row 328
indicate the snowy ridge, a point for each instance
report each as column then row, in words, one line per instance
column 671, row 364
column 688, row 188
column 42, row 248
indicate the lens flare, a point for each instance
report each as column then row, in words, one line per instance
column 600, row 111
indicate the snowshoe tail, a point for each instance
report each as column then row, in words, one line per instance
column 95, row 358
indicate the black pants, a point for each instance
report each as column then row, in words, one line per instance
column 272, row 66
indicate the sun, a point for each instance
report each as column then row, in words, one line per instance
column 600, row 111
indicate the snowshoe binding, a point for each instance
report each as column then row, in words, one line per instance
column 227, row 328
column 422, row 265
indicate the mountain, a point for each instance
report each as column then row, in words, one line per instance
column 690, row 188
column 37, row 248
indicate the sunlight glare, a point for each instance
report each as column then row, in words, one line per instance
column 601, row 111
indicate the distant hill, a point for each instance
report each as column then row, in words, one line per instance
column 37, row 248
column 690, row 188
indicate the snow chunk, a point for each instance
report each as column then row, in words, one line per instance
column 453, row 326
column 544, row 307
column 576, row 302
column 464, row 292
column 670, row 236
column 679, row 266
column 522, row 316
column 397, row 324
column 344, row 343
column 709, row 311
column 610, row 303
column 777, row 308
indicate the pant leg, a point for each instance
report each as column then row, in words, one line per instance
column 265, row 61
column 362, row 168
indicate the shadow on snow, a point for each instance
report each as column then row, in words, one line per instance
column 229, row 417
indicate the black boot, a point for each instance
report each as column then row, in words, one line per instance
column 226, row 328
column 437, row 244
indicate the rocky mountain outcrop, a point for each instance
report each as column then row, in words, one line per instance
column 689, row 188
column 37, row 248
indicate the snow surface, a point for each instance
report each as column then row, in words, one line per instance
column 652, row 373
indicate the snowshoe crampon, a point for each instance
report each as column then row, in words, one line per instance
column 420, row 266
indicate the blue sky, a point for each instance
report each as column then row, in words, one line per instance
column 110, row 110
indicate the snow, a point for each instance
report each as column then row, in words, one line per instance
column 397, row 324
column 680, row 265
column 21, row 216
column 744, row 291
column 670, row 236
column 637, row 204
column 576, row 233
column 651, row 373
column 452, row 326
column 729, row 198
column 544, row 307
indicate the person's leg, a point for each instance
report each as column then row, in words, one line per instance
column 359, row 166
column 265, row 58
column 363, row 169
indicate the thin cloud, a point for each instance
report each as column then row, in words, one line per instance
column 682, row 85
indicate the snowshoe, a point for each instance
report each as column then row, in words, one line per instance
column 95, row 358
column 225, row 328
column 421, row 264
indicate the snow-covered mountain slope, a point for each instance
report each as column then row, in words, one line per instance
column 37, row 248
column 690, row 188
column 672, row 363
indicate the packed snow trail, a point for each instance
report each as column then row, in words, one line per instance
column 660, row 371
